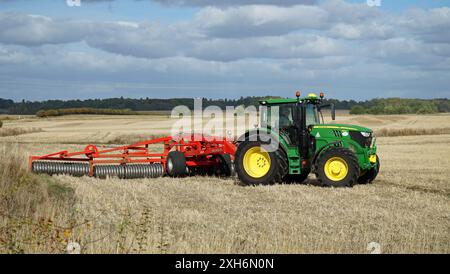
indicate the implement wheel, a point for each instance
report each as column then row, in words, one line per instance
column 225, row 167
column 176, row 164
column 256, row 166
column 337, row 167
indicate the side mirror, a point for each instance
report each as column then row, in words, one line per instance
column 333, row 112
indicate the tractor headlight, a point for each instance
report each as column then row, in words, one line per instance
column 364, row 139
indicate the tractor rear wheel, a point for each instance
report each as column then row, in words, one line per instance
column 256, row 166
column 337, row 167
column 370, row 175
column 176, row 164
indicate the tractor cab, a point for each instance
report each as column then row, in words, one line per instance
column 291, row 116
column 282, row 113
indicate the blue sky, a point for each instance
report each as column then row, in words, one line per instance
column 224, row 49
column 113, row 10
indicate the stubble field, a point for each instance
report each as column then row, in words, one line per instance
column 406, row 210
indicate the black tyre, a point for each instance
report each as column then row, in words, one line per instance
column 225, row 167
column 297, row 179
column 176, row 164
column 370, row 175
column 337, row 167
column 255, row 166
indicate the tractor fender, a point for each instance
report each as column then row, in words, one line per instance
column 317, row 153
column 267, row 138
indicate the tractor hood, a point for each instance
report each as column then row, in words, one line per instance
column 343, row 127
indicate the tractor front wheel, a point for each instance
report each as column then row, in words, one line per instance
column 337, row 167
column 371, row 174
column 256, row 166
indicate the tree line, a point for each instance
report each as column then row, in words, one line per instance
column 401, row 106
column 128, row 105
column 143, row 104
column 78, row 111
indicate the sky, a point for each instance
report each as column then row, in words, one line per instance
column 350, row 49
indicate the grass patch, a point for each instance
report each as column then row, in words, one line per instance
column 57, row 190
column 133, row 138
column 79, row 111
column 39, row 214
column 5, row 132
column 35, row 210
column 411, row 132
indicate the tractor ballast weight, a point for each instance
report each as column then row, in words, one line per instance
column 340, row 155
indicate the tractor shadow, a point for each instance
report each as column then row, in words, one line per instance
column 311, row 182
column 308, row 182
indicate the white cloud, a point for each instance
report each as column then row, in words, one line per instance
column 33, row 30
column 142, row 40
column 429, row 25
column 283, row 47
column 248, row 21
column 10, row 56
column 367, row 31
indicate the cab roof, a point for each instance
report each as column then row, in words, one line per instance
column 311, row 98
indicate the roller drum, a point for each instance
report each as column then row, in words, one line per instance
column 143, row 171
column 61, row 168
column 134, row 171
column 109, row 171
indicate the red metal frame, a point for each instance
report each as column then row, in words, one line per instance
column 198, row 149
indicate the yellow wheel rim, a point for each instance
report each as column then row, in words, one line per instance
column 336, row 169
column 256, row 162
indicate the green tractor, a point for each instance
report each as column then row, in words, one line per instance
column 294, row 141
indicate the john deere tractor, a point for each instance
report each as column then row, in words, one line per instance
column 294, row 141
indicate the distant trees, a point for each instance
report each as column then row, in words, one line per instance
column 143, row 104
column 92, row 106
column 401, row 106
column 358, row 110
column 77, row 111
column 5, row 105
